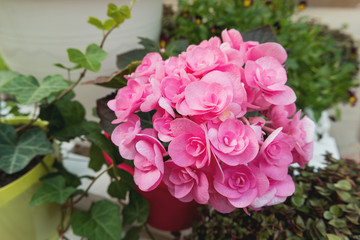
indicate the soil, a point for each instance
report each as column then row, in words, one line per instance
column 5, row 178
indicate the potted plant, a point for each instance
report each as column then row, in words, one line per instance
column 325, row 206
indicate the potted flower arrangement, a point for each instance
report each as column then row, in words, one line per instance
column 215, row 124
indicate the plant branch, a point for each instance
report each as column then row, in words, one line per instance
column 92, row 182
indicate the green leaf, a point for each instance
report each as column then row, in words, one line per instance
column 327, row 215
column 27, row 89
column 15, row 154
column 149, row 45
column 101, row 222
column 59, row 65
column 91, row 60
column 96, row 22
column 136, row 210
column 71, row 179
column 118, row 14
column 338, row 223
column 344, row 196
column 125, row 59
column 174, row 48
column 333, row 237
column 96, row 158
column 336, row 211
column 106, row 145
column 118, row 189
column 298, row 201
column 262, row 35
column 133, row 233
column 53, row 190
column 109, row 23
column 343, row 185
column 7, row 76
column 105, row 114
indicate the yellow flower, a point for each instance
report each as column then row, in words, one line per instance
column 247, row 3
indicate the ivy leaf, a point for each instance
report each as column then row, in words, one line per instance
column 96, row 158
column 7, row 76
column 133, row 233
column 109, row 23
column 53, row 190
column 262, row 35
column 15, row 154
column 96, row 22
column 118, row 14
column 136, row 210
column 27, row 89
column 118, row 189
column 92, row 58
column 101, row 222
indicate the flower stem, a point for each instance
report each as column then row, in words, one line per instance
column 268, row 129
column 90, row 185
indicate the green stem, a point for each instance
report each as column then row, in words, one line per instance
column 90, row 185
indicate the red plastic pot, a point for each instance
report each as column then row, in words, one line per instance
column 167, row 213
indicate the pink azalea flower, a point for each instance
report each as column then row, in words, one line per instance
column 241, row 185
column 124, row 135
column 127, row 100
column 268, row 75
column 208, row 97
column 303, row 133
column 148, row 65
column 275, row 155
column 233, row 142
column 200, row 60
column 148, row 161
column 190, row 146
column 277, row 193
column 186, row 184
column 161, row 122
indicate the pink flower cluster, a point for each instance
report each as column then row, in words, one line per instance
column 225, row 128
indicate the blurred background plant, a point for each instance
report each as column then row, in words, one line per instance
column 322, row 63
column 326, row 205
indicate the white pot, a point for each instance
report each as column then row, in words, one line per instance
column 34, row 34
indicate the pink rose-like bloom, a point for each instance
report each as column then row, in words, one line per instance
column 279, row 115
column 303, row 133
column 233, row 37
column 161, row 122
column 186, row 184
column 148, row 161
column 277, row 193
column 269, row 49
column 124, row 135
column 200, row 60
column 190, row 146
column 127, row 100
column 268, row 75
column 233, row 142
column 208, row 97
column 275, row 155
column 241, row 185
column 148, row 65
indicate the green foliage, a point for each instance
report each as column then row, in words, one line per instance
column 315, row 211
column 16, row 151
column 101, row 222
column 53, row 190
column 137, row 210
column 3, row 65
column 321, row 65
column 28, row 90
column 92, row 58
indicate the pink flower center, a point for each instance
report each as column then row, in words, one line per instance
column 195, row 146
column 239, row 181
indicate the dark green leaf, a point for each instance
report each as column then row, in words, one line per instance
column 101, row 222
column 15, row 154
column 71, row 179
column 149, row 45
column 262, row 35
column 133, row 233
column 327, row 215
column 333, row 237
column 298, row 201
column 105, row 114
column 53, row 190
column 344, row 196
column 91, row 60
column 118, row 189
column 338, row 223
column 174, row 48
column 107, row 146
column 336, row 211
column 136, row 210
column 96, row 158
column 127, row 58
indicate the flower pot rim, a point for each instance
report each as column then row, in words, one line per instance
column 12, row 190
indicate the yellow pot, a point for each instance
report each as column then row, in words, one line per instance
column 19, row 220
